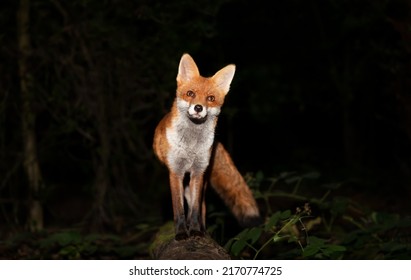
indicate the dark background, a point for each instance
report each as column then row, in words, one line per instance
column 321, row 86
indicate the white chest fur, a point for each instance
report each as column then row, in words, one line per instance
column 190, row 144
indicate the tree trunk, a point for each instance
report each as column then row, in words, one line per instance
column 31, row 164
column 100, row 216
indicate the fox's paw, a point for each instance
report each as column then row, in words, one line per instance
column 197, row 233
column 181, row 236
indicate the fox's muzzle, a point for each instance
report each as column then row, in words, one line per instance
column 197, row 111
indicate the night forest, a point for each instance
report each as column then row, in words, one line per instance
column 317, row 120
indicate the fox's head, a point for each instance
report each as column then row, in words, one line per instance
column 200, row 97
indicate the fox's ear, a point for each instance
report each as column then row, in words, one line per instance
column 224, row 77
column 187, row 69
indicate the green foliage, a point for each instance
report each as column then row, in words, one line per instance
column 329, row 227
column 75, row 244
column 321, row 249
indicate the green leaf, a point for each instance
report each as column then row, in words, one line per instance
column 273, row 220
column 259, row 177
column 238, row 246
column 65, row 238
column 278, row 238
column 254, row 234
column 285, row 215
column 71, row 252
column 310, row 251
column 336, row 248
column 315, row 241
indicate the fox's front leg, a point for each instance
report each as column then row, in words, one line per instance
column 196, row 225
column 177, row 197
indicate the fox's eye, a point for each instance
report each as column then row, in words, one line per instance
column 191, row 93
column 210, row 98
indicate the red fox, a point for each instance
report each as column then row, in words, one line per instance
column 184, row 142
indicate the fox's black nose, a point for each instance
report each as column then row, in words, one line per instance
column 198, row 108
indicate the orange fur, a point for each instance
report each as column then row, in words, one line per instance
column 184, row 142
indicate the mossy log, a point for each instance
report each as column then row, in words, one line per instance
column 165, row 247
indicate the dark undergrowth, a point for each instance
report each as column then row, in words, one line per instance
column 304, row 219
